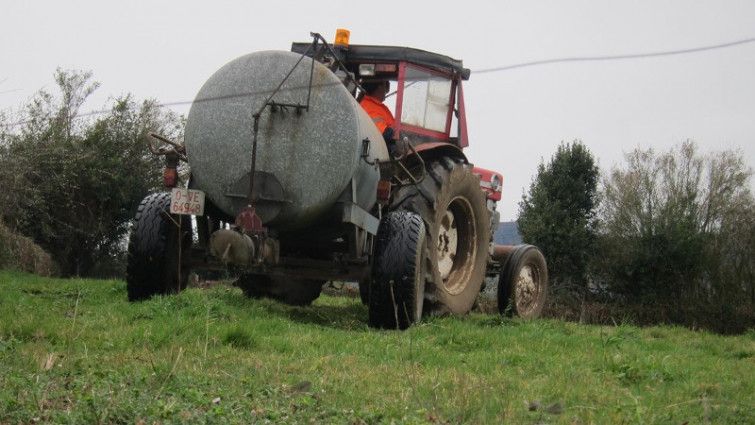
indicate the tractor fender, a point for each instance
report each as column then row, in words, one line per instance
column 434, row 150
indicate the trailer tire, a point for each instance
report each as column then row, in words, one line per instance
column 398, row 282
column 457, row 223
column 288, row 290
column 155, row 263
column 523, row 283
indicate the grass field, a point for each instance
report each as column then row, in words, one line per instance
column 75, row 351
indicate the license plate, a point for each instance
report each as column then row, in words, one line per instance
column 187, row 201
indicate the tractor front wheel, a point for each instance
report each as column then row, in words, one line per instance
column 523, row 283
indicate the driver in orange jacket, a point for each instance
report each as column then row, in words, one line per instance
column 372, row 103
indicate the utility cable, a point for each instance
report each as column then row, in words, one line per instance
column 617, row 57
column 482, row 71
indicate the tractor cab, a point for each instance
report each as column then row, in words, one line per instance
column 426, row 95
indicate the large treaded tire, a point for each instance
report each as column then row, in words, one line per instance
column 457, row 223
column 398, row 283
column 153, row 252
column 523, row 283
column 291, row 291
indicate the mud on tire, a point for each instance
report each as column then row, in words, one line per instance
column 397, row 285
column 457, row 222
column 156, row 264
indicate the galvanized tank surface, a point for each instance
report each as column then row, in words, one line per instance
column 304, row 160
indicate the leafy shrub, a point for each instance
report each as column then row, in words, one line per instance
column 21, row 253
column 72, row 182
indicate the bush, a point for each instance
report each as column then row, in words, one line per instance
column 72, row 183
column 678, row 229
column 558, row 215
column 21, row 253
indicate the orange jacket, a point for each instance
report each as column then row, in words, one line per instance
column 380, row 114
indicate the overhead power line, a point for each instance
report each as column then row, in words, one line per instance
column 617, row 57
column 482, row 71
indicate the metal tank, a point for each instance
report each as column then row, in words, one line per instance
column 310, row 141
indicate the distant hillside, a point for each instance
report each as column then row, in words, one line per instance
column 507, row 234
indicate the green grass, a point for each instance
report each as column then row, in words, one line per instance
column 75, row 351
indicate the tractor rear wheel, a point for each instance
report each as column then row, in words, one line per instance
column 396, row 290
column 156, row 262
column 457, row 221
column 523, row 283
column 288, row 290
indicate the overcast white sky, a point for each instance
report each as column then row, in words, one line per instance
column 167, row 49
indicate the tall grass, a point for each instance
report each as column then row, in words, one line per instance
column 75, row 351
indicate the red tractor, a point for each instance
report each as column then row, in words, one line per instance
column 292, row 185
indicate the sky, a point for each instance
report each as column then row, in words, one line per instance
column 516, row 118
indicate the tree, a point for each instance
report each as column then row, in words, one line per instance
column 678, row 226
column 558, row 213
column 72, row 183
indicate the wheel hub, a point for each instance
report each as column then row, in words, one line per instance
column 448, row 240
column 526, row 286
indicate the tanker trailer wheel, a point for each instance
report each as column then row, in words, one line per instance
column 457, row 220
column 523, row 283
column 156, row 264
column 398, row 283
column 288, row 290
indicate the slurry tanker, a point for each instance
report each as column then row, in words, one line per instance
column 292, row 185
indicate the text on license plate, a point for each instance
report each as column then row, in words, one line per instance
column 186, row 201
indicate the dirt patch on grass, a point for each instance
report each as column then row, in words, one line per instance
column 341, row 289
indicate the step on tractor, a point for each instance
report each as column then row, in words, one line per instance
column 292, row 185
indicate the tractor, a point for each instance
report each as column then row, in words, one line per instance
column 292, row 185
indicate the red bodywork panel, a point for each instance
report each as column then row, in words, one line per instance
column 490, row 182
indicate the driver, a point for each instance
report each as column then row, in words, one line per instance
column 372, row 103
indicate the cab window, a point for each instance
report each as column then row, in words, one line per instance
column 426, row 100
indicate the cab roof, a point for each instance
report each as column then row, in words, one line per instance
column 356, row 54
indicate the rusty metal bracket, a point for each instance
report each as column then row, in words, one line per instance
column 175, row 148
column 411, row 179
column 400, row 163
